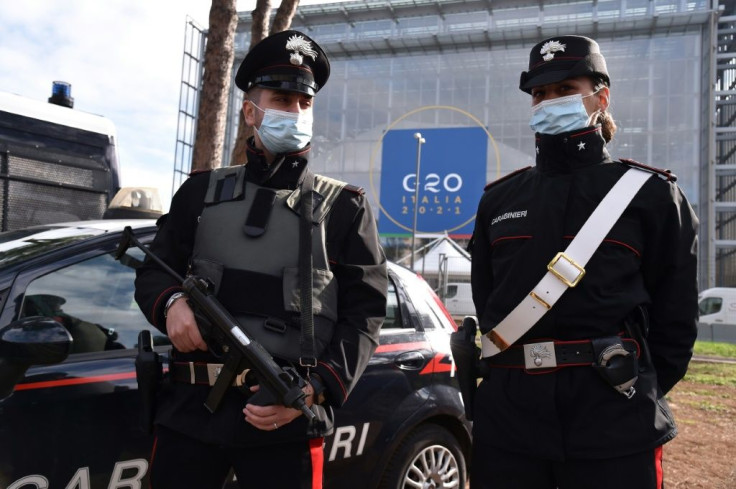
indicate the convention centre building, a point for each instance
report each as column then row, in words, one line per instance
column 430, row 88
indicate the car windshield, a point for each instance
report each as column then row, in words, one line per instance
column 27, row 243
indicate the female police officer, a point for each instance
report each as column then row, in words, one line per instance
column 578, row 400
column 241, row 229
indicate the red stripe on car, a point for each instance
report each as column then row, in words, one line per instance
column 74, row 381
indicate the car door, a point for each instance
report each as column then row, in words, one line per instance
column 77, row 423
column 388, row 398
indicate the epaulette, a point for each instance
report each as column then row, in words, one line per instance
column 663, row 174
column 506, row 177
column 355, row 189
column 226, row 183
column 326, row 191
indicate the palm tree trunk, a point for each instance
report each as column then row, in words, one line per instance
column 284, row 14
column 259, row 30
column 218, row 63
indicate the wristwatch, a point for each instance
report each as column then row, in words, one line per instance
column 174, row 297
column 319, row 389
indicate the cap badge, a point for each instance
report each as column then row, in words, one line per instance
column 549, row 49
column 300, row 46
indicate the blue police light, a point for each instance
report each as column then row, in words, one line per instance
column 61, row 94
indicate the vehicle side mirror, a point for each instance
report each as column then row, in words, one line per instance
column 30, row 341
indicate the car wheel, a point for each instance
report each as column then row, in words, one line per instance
column 428, row 458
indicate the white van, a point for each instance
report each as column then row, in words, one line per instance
column 459, row 300
column 717, row 315
column 717, row 305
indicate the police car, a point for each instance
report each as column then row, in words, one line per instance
column 72, row 418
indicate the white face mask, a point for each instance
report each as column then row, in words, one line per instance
column 284, row 132
column 561, row 114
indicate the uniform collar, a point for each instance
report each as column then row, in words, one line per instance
column 286, row 171
column 568, row 151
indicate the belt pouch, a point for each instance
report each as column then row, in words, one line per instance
column 616, row 365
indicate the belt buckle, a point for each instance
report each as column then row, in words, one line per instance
column 540, row 355
column 213, row 371
column 559, row 275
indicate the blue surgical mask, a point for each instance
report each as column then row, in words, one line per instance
column 284, row 132
column 560, row 114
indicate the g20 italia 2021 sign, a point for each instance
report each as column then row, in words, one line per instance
column 452, row 173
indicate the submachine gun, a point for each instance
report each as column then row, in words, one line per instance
column 278, row 385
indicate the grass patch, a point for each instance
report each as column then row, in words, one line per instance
column 711, row 349
column 705, row 393
column 707, row 406
column 723, row 374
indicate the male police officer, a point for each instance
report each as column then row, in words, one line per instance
column 568, row 404
column 239, row 227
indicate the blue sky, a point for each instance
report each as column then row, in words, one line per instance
column 123, row 59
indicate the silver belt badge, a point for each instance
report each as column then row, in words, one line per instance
column 540, row 355
column 213, row 371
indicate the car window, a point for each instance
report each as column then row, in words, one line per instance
column 710, row 305
column 393, row 312
column 451, row 291
column 426, row 303
column 425, row 306
column 428, row 313
column 94, row 300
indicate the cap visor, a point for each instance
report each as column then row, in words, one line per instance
column 288, row 87
column 544, row 79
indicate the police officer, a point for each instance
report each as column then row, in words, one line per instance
column 578, row 400
column 239, row 227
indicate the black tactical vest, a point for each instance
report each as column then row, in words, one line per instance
column 247, row 246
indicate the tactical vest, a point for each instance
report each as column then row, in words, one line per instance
column 250, row 254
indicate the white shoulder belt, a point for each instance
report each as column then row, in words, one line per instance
column 566, row 268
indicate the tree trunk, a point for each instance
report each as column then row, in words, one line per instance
column 284, row 14
column 218, row 64
column 261, row 17
column 259, row 30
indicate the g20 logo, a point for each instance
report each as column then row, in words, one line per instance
column 452, row 165
column 434, row 183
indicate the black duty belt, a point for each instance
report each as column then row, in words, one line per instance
column 201, row 373
column 552, row 354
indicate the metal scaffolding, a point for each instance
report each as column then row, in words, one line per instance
column 192, row 66
column 723, row 175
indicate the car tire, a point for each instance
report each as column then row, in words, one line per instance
column 429, row 457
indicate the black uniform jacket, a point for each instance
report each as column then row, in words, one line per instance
column 647, row 259
column 359, row 266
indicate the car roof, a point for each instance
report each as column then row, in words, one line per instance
column 22, row 244
column 402, row 272
column 56, row 114
column 75, row 231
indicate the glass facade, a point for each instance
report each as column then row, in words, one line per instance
column 420, row 64
column 656, row 92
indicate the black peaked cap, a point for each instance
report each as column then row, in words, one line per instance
column 287, row 60
column 559, row 58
